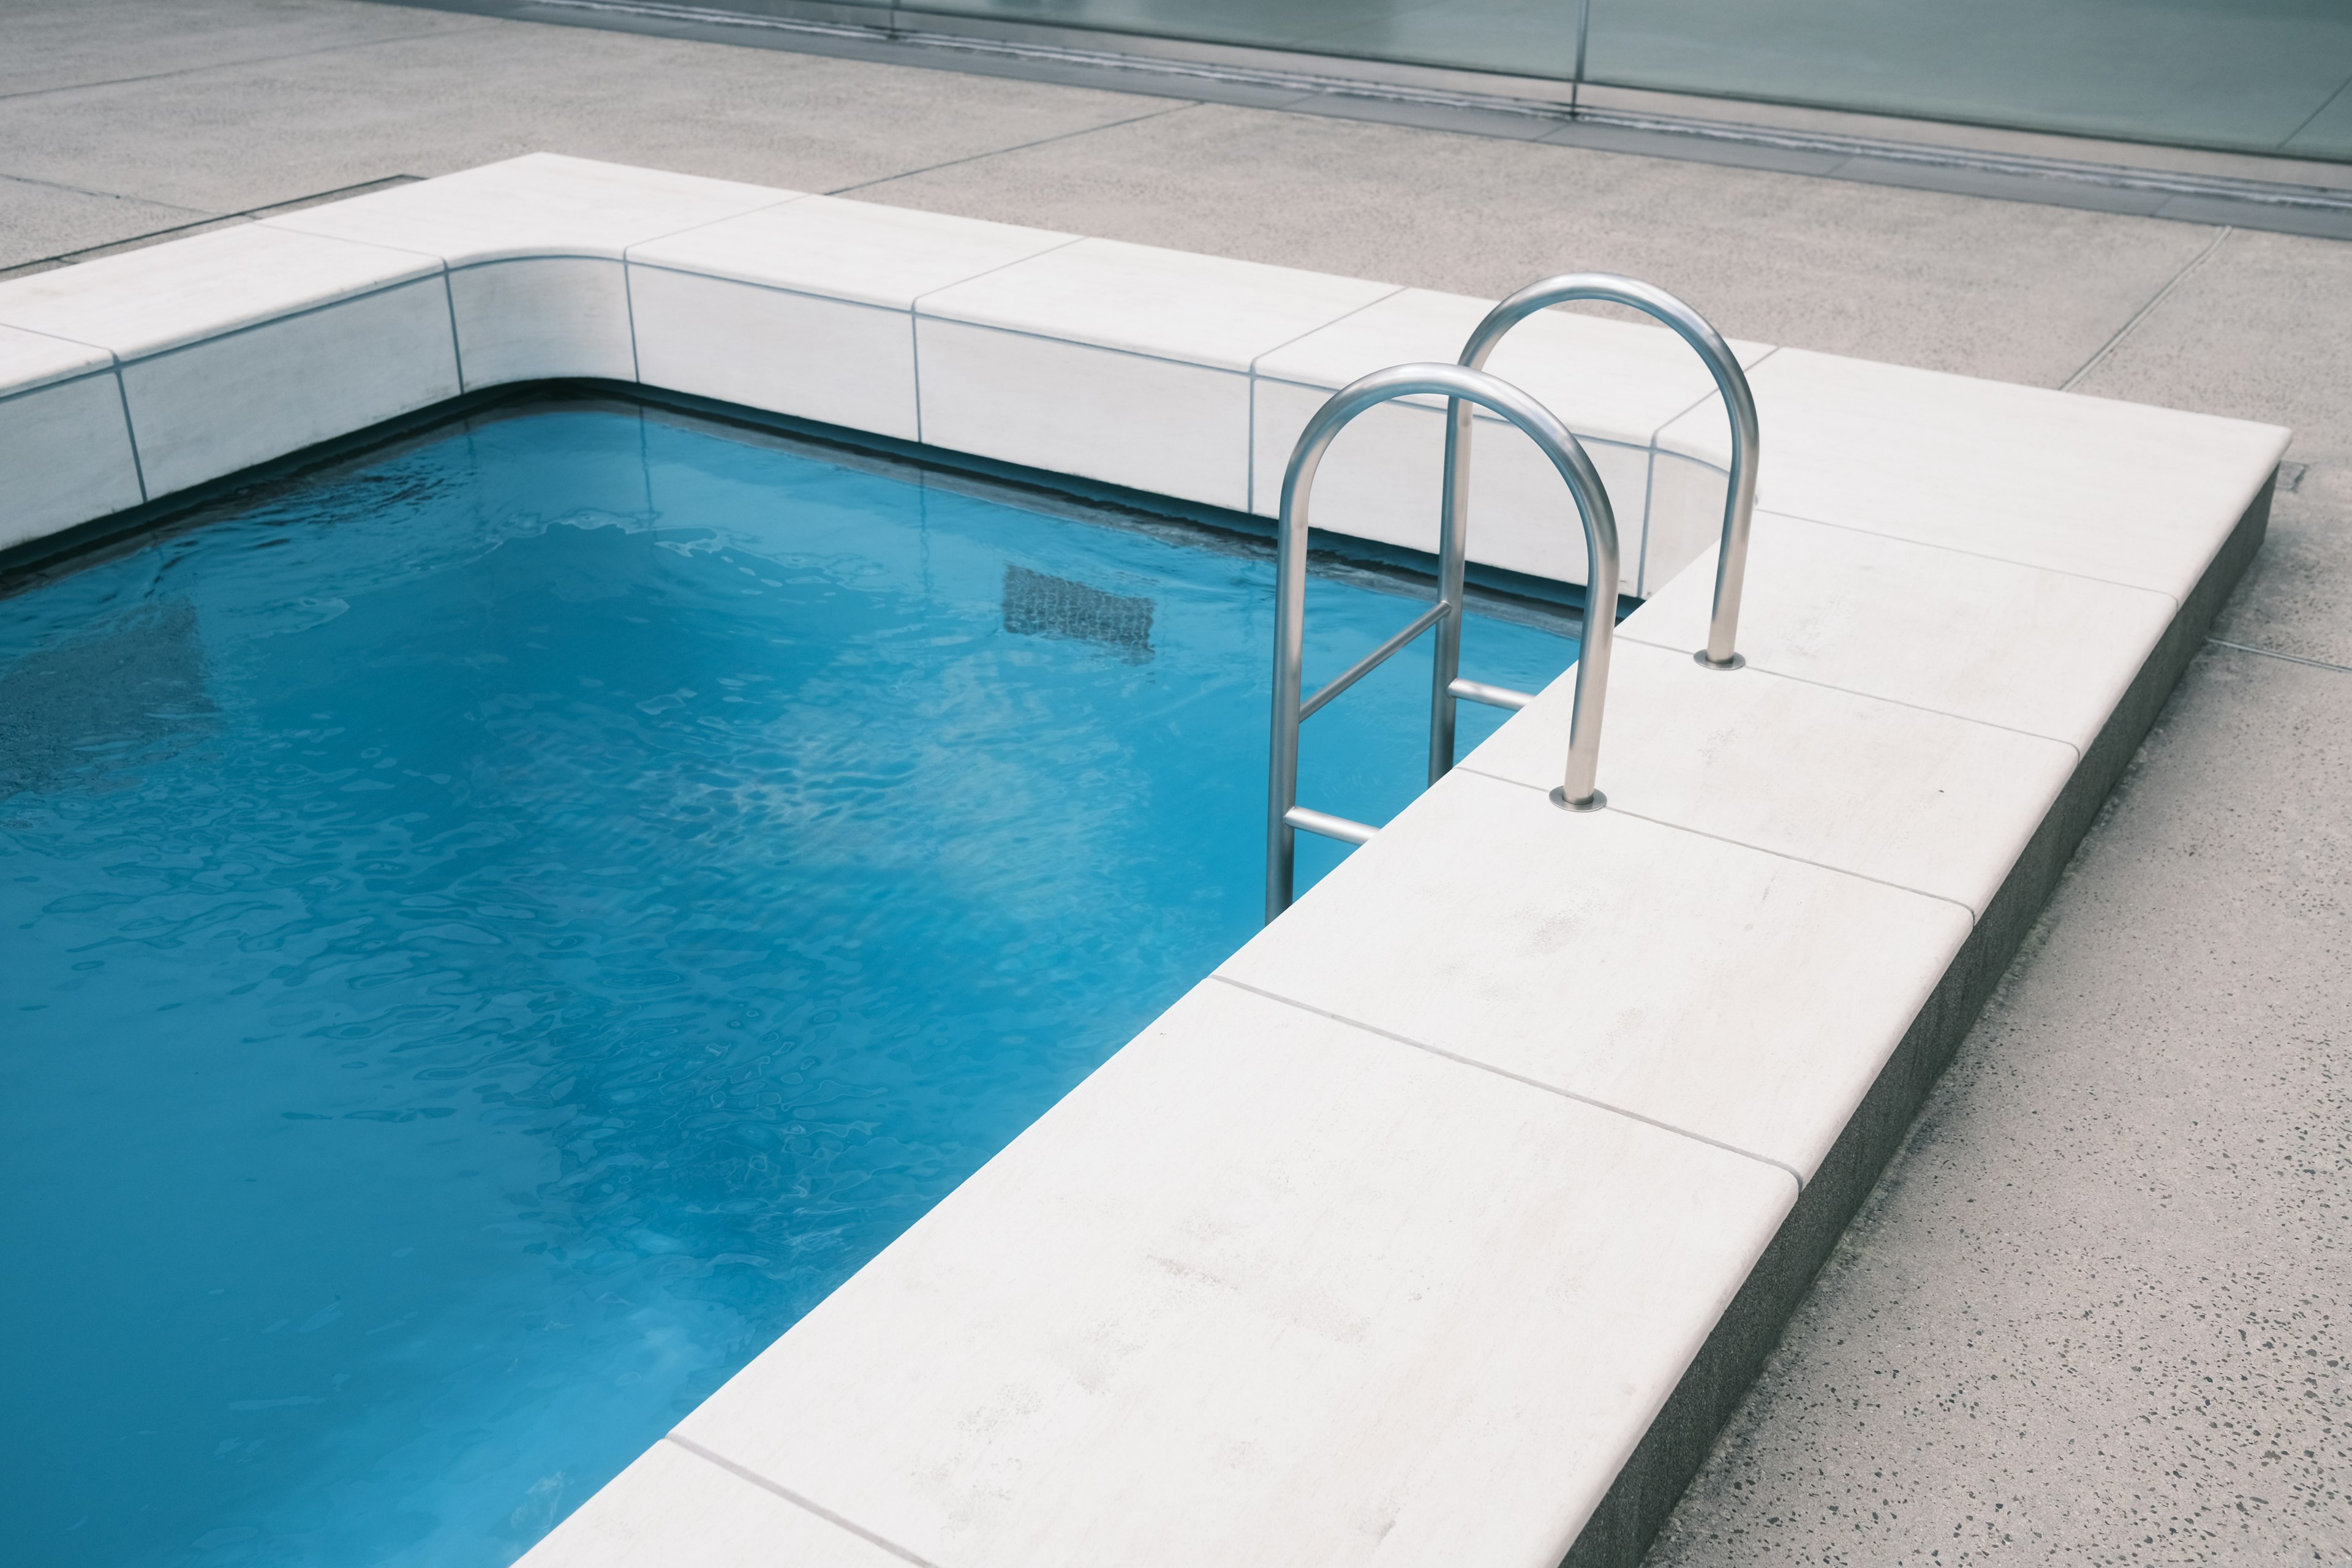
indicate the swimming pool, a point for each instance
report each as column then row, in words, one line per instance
column 500, row 928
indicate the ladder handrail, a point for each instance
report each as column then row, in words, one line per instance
column 1462, row 386
column 1738, row 507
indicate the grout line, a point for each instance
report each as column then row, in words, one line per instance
column 1249, row 478
column 915, row 305
column 915, row 311
column 1039, row 334
column 456, row 345
column 1514, row 1078
column 915, row 363
column 1016, row 147
column 2289, row 657
column 784, row 199
column 1955, row 549
column 1744, row 844
column 1649, row 506
column 1871, row 695
column 2142, row 313
column 138, row 464
column 629, row 309
column 765, row 1485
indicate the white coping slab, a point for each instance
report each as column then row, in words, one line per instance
column 32, row 360
column 201, row 288
column 533, row 247
column 676, row 1507
column 807, row 309
column 2045, row 652
column 530, row 208
column 1121, row 363
column 65, row 441
column 2045, row 478
column 1734, row 995
column 1897, row 794
column 1333, row 1289
column 1387, row 1243
column 1616, row 384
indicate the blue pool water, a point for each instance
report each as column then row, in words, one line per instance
column 496, row 932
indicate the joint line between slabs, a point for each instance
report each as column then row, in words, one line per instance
column 1016, row 147
column 765, row 1485
column 2143, row 313
column 2288, row 657
column 1781, row 1165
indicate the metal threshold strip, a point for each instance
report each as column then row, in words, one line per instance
column 889, row 28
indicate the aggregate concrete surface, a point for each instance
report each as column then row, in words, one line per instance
column 2095, row 1311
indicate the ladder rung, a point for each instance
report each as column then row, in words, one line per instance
column 1373, row 660
column 1493, row 696
column 1344, row 829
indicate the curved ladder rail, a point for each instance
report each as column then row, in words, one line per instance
column 1463, row 385
column 1738, row 507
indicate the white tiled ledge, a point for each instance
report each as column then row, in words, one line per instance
column 1163, row 370
column 1389, row 1241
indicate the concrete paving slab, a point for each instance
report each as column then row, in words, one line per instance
column 2095, row 1310
column 2263, row 328
column 55, row 44
column 246, row 135
column 1995, row 288
column 40, row 220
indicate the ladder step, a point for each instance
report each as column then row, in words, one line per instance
column 1492, row 696
column 1373, row 660
column 1347, row 831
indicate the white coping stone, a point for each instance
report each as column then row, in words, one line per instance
column 2045, row 652
column 862, row 252
column 64, row 449
column 1896, row 793
column 1121, row 363
column 528, row 209
column 189, row 290
column 534, row 245
column 1618, row 380
column 1264, row 1290
column 543, row 320
column 1383, row 478
column 1615, row 383
column 2117, row 491
column 805, row 308
column 1171, row 304
column 1685, row 521
column 1126, row 419
column 1728, row 993
column 291, row 383
column 29, row 360
column 675, row 1509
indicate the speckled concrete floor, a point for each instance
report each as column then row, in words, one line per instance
column 2096, row 1310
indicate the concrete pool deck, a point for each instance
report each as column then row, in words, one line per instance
column 2186, row 984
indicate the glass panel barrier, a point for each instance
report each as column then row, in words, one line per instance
column 2254, row 76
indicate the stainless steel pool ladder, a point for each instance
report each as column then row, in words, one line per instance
column 1462, row 386
column 1578, row 790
